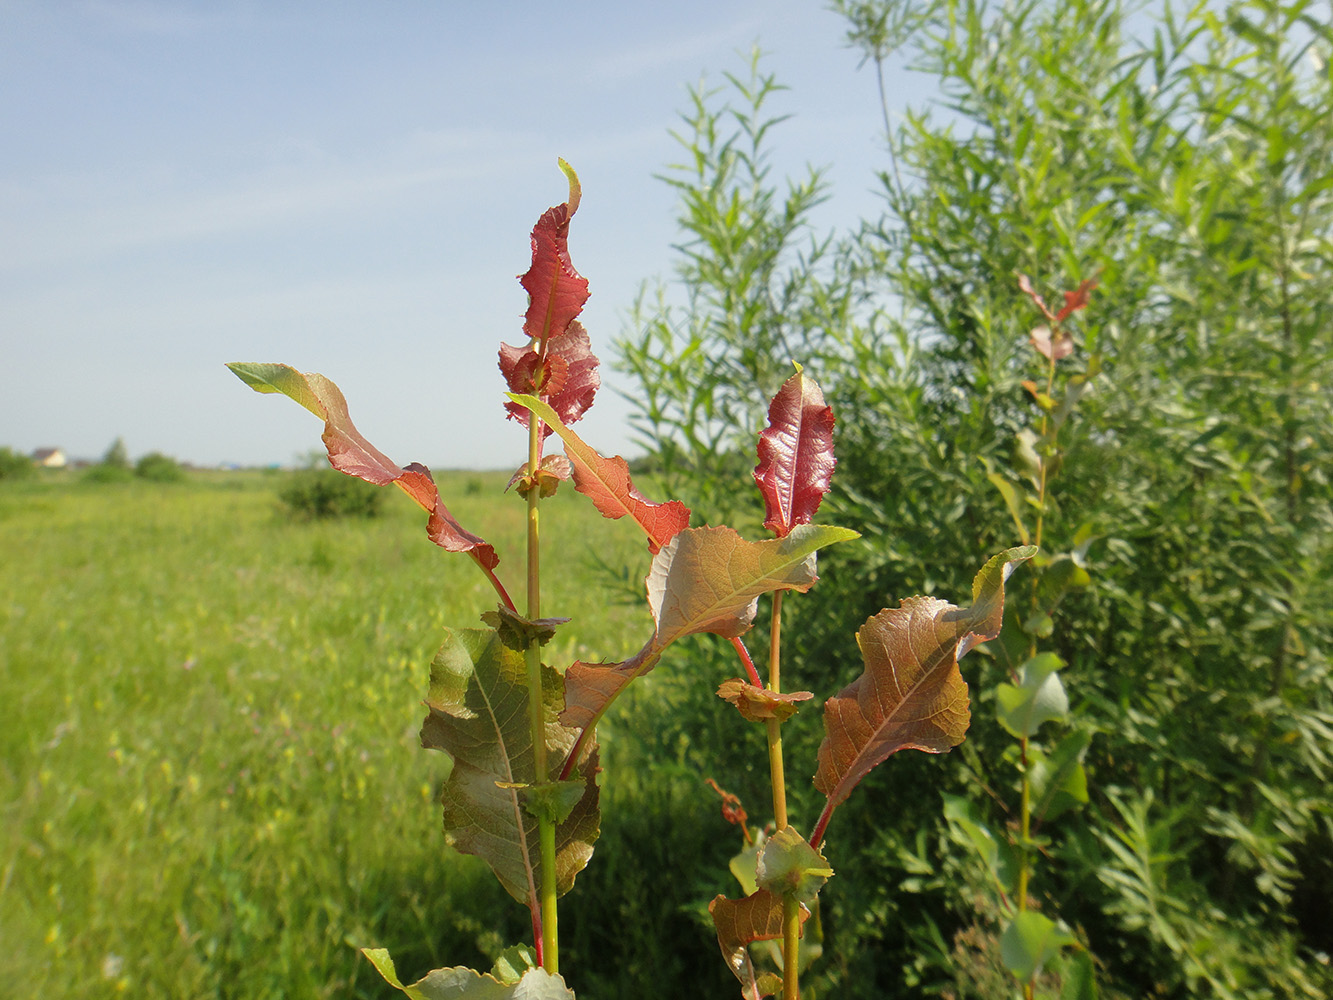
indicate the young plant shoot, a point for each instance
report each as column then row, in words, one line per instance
column 523, row 790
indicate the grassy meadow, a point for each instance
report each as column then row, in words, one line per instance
column 209, row 770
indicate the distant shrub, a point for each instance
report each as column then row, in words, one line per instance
column 117, row 455
column 159, row 468
column 15, row 465
column 104, row 473
column 325, row 493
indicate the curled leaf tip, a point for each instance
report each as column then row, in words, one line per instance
column 575, row 188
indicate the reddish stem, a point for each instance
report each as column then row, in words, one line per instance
column 818, row 835
column 744, row 654
column 535, row 910
column 495, row 582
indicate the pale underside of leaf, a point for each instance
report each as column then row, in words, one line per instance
column 910, row 694
column 703, row 580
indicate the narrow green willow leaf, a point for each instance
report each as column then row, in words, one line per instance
column 1058, row 780
column 967, row 829
column 466, row 984
column 1010, row 496
column 1080, row 978
column 1031, row 941
column 1039, row 697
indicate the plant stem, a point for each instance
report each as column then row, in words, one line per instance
column 776, row 770
column 791, row 909
column 550, row 942
column 791, row 948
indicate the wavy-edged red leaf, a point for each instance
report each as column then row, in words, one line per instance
column 703, row 580
column 911, row 695
column 1076, row 299
column 795, row 454
column 556, row 292
column 606, row 482
column 351, row 453
column 741, row 922
column 478, row 714
column 566, row 377
column 758, row 704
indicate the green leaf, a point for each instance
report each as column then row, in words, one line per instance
column 746, row 864
column 968, row 830
column 465, row 984
column 1040, row 697
column 478, row 703
column 790, row 866
column 1011, row 501
column 1080, row 978
column 555, row 800
column 1057, row 779
column 518, row 632
column 1030, row 942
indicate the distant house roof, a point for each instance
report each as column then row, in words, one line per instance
column 52, row 457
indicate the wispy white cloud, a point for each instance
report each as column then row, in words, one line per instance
column 78, row 216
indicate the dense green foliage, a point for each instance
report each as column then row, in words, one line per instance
column 1185, row 159
column 15, row 465
column 159, row 468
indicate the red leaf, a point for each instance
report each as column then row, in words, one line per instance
column 739, row 923
column 1076, row 299
column 556, row 292
column 795, row 454
column 351, row 453
column 910, row 695
column 606, row 482
column 567, row 378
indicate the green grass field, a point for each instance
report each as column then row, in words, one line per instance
column 209, row 770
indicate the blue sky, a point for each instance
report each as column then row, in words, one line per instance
column 348, row 188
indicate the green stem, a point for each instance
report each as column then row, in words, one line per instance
column 791, row 909
column 1025, row 787
column 550, row 941
column 776, row 770
column 791, row 948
